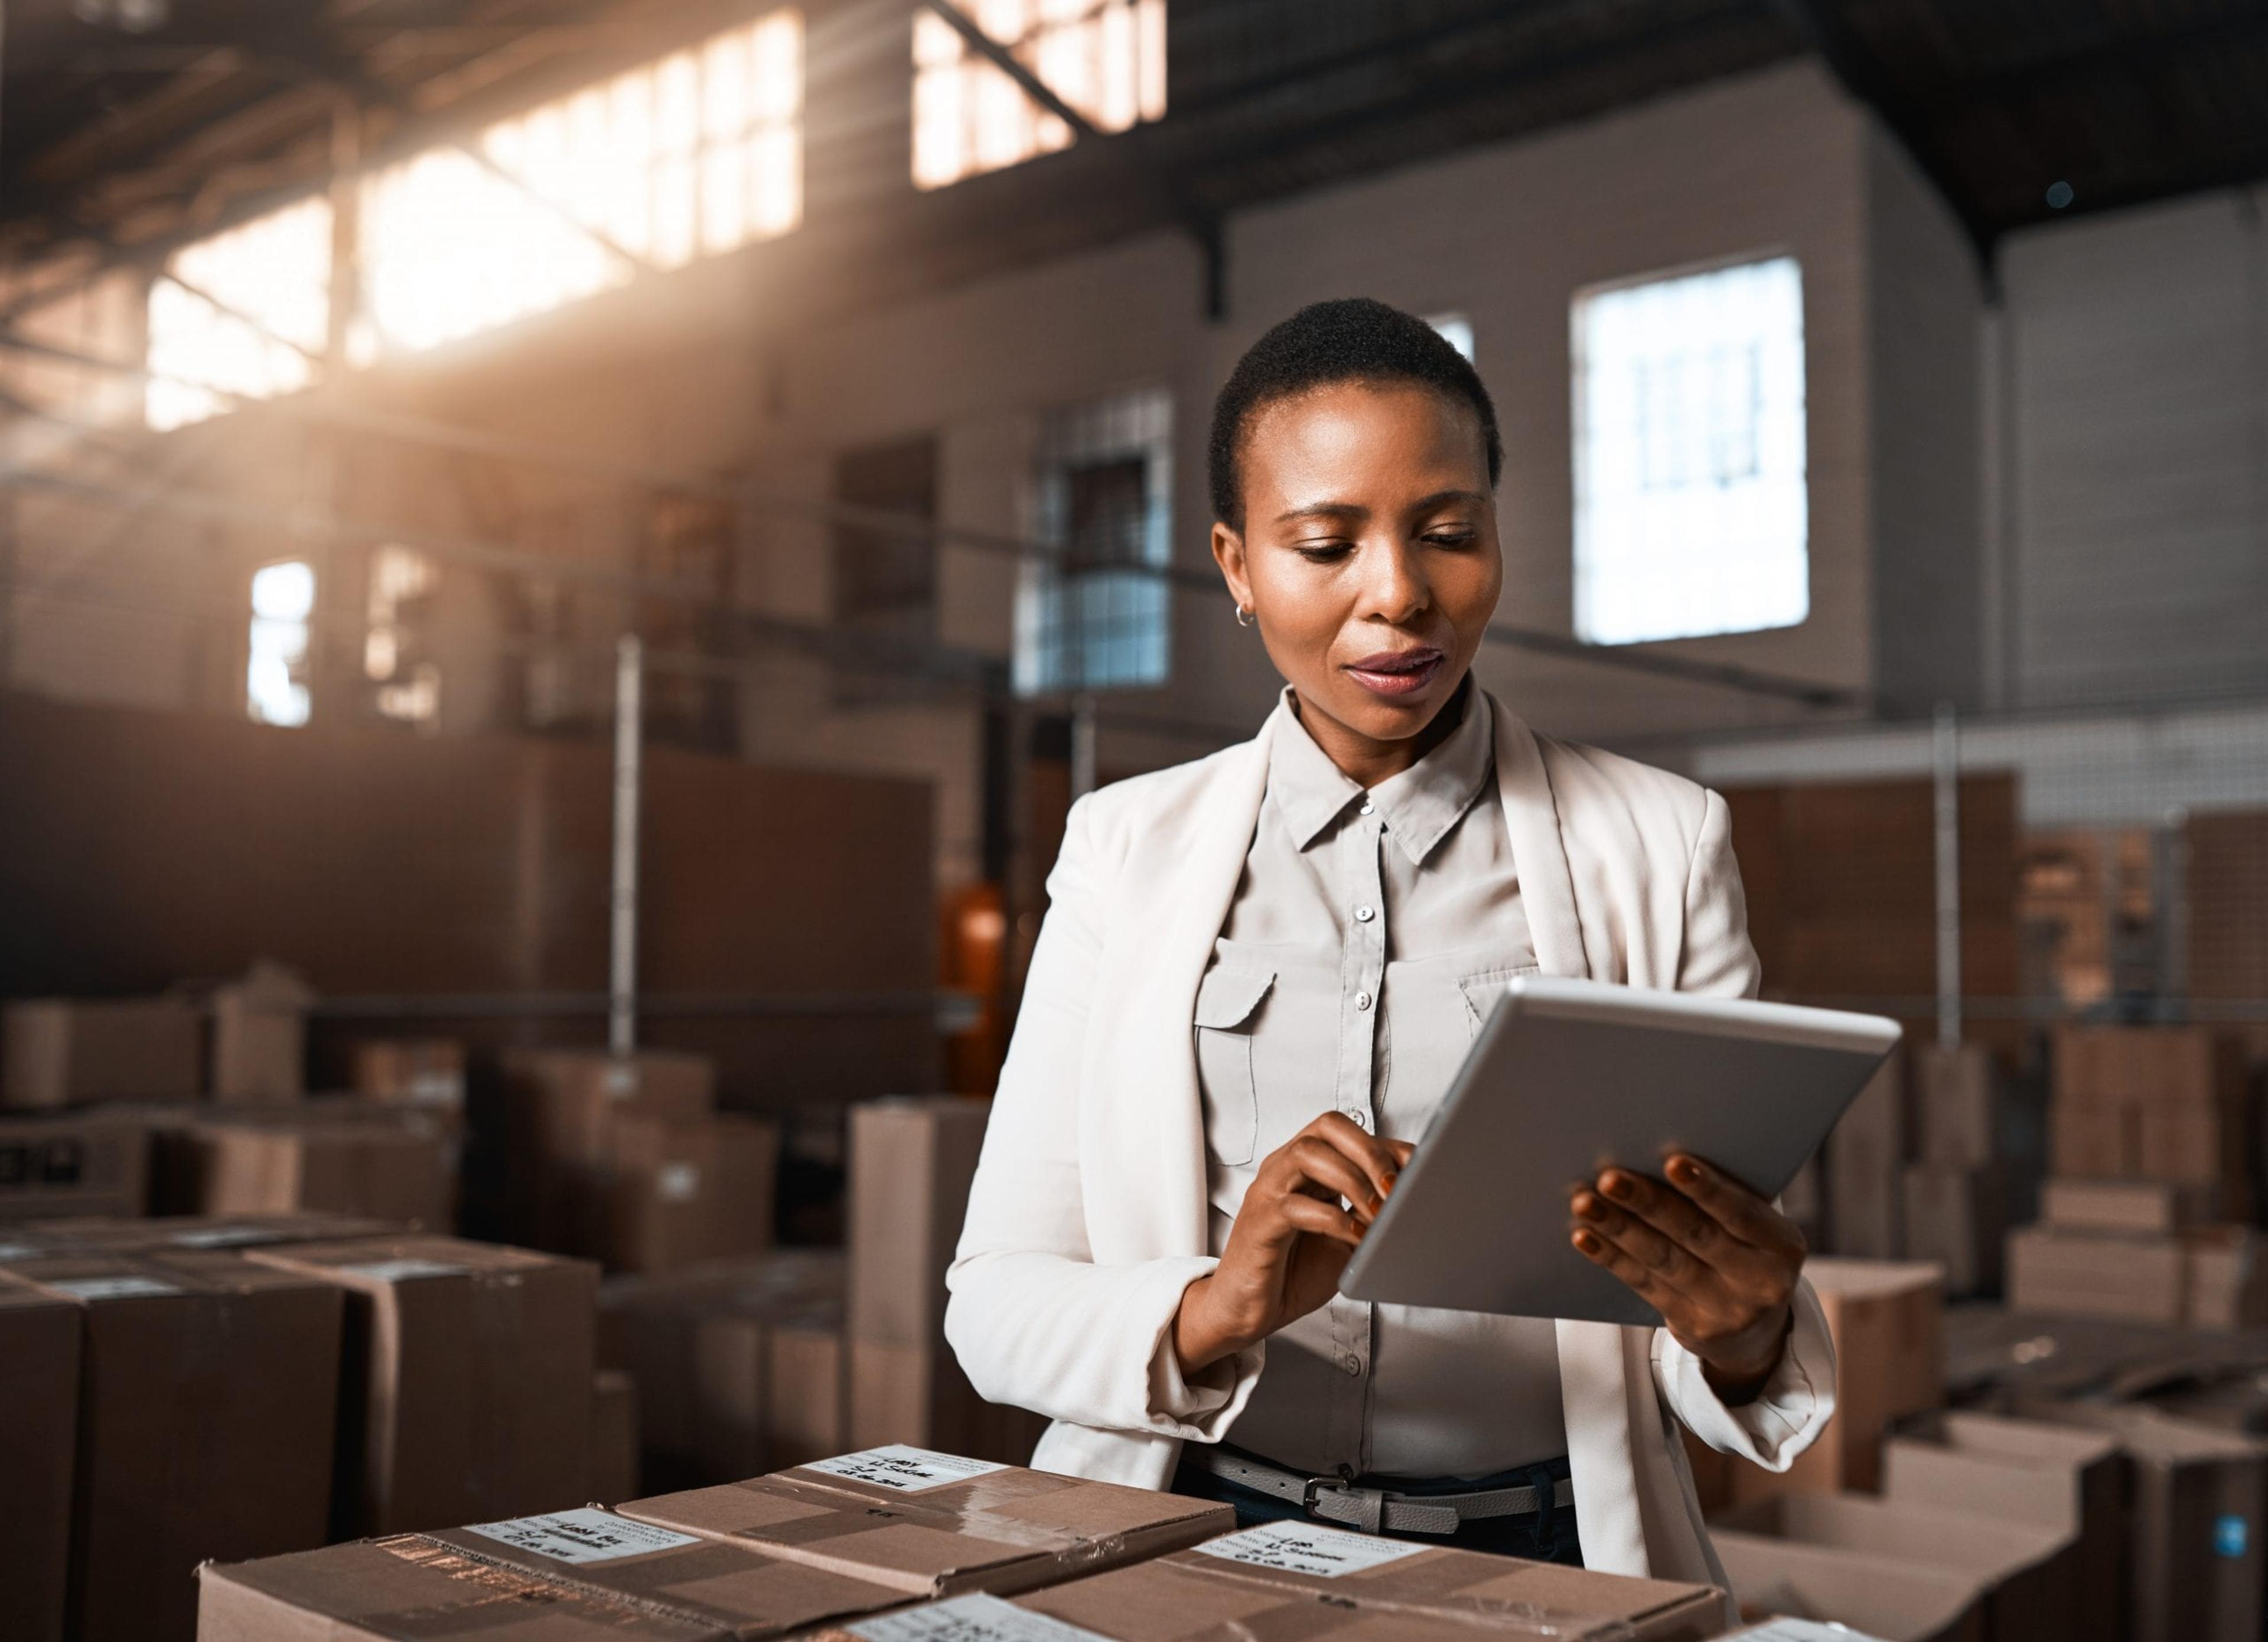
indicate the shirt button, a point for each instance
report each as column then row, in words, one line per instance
column 1363, row 915
column 1362, row 1000
column 1352, row 1364
column 1361, row 1119
column 1367, row 809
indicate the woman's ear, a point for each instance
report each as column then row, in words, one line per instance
column 1228, row 553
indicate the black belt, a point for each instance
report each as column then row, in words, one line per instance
column 1372, row 1510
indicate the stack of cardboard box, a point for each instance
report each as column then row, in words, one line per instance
column 322, row 1156
column 1957, row 1195
column 912, row 1544
column 2171, row 1104
column 2140, row 1251
column 624, row 1159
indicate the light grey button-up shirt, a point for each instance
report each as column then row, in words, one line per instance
column 1370, row 933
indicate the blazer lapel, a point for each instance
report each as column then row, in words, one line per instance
column 1531, row 819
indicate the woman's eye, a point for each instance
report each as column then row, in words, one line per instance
column 1452, row 538
column 1323, row 552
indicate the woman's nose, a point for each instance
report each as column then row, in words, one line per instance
column 1394, row 587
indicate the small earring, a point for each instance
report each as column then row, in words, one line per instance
column 1244, row 615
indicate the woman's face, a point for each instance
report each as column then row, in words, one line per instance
column 1369, row 555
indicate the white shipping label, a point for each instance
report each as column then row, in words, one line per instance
column 114, row 1288
column 973, row 1619
column 677, row 1182
column 224, row 1237
column 1305, row 1547
column 1799, row 1631
column 585, row 1536
column 401, row 1270
column 19, row 1251
column 907, row 1470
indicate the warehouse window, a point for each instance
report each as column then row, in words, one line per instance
column 1105, row 58
column 690, row 156
column 1095, row 616
column 407, row 685
column 260, row 307
column 1692, row 514
column 693, row 155
column 283, row 614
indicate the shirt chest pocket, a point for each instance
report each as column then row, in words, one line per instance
column 1228, row 1005
column 1483, row 991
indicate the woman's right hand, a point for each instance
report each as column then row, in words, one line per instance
column 1291, row 1239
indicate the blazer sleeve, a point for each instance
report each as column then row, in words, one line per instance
column 1797, row 1401
column 1035, row 1321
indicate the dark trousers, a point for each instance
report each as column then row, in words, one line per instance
column 1540, row 1536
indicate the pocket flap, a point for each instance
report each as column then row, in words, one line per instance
column 1485, row 990
column 1226, row 997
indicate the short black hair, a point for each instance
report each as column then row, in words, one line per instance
column 1352, row 339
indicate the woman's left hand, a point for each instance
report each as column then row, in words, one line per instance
column 1717, row 1262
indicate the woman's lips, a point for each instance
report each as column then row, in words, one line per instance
column 1396, row 672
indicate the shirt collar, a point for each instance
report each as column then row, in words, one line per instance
column 1420, row 805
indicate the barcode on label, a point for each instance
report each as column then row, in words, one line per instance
column 1304, row 1547
column 585, row 1536
column 975, row 1618
column 905, row 1468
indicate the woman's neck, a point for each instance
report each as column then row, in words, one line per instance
column 1368, row 761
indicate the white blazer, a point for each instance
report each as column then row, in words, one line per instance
column 1088, row 1219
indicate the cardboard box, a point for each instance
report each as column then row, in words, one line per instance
column 572, row 1574
column 1876, row 1596
column 199, row 1233
column 465, row 1388
column 649, row 1325
column 1956, row 1093
column 689, row 1190
column 613, row 1436
column 1886, row 1318
column 208, row 1394
column 380, row 1170
column 562, row 1106
column 260, row 1037
column 2097, row 1274
column 2098, row 1064
column 2027, row 1573
column 2095, row 1141
column 912, row 1161
column 803, row 1392
column 2148, row 1207
column 1290, row 1581
column 2199, row 1506
column 38, row 1419
column 2029, row 1472
column 1865, row 1158
column 1957, row 1215
column 2225, row 1279
column 410, row 1071
column 932, row 1524
column 76, row 1163
column 62, row 1052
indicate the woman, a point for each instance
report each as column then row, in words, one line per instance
column 1258, row 973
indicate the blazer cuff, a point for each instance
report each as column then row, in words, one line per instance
column 1783, row 1419
column 1198, row 1407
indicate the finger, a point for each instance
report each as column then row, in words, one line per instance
column 1742, row 1212
column 1641, row 1281
column 1324, row 1219
column 1672, row 1214
column 1369, row 1154
column 1660, row 1255
column 1310, row 1160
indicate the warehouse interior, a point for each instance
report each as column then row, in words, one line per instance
column 563, row 564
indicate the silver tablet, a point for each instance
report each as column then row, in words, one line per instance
column 1568, row 1077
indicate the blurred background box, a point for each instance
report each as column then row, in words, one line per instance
column 1956, row 1214
column 414, row 1072
column 38, row 1425
column 1865, row 1158
column 202, row 1233
column 205, row 1424
column 2027, row 1573
column 689, row 1190
column 2098, row 1274
column 287, row 1163
column 2225, row 1280
column 613, row 1436
column 73, row 1163
column 2127, row 1205
column 1956, row 1098
column 1876, row 1596
column 260, row 1037
column 562, row 1105
column 1885, row 1318
column 466, row 1383
column 2065, row 1481
column 59, row 1052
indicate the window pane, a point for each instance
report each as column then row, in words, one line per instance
column 1692, row 509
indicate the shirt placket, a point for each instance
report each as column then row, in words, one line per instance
column 1362, row 978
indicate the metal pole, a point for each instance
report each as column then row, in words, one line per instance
column 1947, row 747
column 621, row 973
